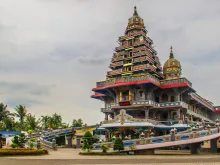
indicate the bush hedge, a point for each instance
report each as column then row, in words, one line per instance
column 102, row 153
column 22, row 151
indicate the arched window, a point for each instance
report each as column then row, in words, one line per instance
column 172, row 99
column 164, row 97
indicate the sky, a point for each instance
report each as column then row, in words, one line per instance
column 52, row 52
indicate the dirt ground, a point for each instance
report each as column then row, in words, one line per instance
column 71, row 157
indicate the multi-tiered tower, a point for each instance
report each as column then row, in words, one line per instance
column 135, row 55
column 137, row 85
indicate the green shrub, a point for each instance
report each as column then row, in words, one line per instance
column 102, row 153
column 118, row 145
column 13, row 145
column 22, row 151
column 88, row 141
column 104, row 148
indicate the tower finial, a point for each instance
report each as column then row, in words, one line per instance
column 135, row 11
column 171, row 52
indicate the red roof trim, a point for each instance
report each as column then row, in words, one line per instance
column 174, row 85
column 137, row 83
column 98, row 95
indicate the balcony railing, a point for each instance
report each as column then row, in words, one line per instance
column 106, row 110
column 176, row 81
column 202, row 100
column 173, row 104
column 153, row 104
column 198, row 115
column 114, row 72
column 145, row 102
column 128, row 79
column 112, row 65
column 140, row 78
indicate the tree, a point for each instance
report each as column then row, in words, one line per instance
column 8, row 124
column 57, row 120
column 45, row 121
column 31, row 122
column 19, row 141
column 4, row 113
column 21, row 113
column 77, row 123
column 118, row 145
column 88, row 141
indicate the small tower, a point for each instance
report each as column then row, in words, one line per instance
column 172, row 67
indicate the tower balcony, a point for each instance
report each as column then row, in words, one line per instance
column 128, row 79
column 116, row 64
column 106, row 110
column 198, row 115
column 145, row 103
column 114, row 72
column 119, row 58
column 182, row 80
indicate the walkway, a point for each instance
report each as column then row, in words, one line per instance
column 71, row 157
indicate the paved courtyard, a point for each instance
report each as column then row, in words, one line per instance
column 71, row 157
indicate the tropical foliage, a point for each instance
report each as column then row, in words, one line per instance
column 21, row 120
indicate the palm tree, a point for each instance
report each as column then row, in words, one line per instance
column 45, row 121
column 21, row 113
column 4, row 113
column 57, row 120
column 31, row 122
column 8, row 124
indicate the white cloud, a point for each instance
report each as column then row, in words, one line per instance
column 64, row 47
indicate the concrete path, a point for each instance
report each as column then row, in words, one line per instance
column 71, row 157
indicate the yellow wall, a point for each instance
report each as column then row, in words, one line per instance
column 79, row 134
column 207, row 144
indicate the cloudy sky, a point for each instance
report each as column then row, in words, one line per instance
column 52, row 52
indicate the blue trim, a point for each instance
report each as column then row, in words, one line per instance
column 157, row 140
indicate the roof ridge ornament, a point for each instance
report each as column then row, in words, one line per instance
column 135, row 11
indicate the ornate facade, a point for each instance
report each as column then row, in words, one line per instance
column 138, row 84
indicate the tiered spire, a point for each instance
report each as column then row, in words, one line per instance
column 135, row 55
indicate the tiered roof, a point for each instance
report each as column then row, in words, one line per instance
column 135, row 55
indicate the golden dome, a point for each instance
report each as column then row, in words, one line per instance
column 172, row 67
column 135, row 21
